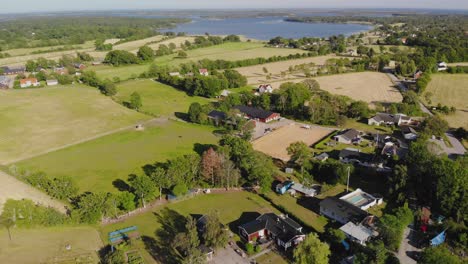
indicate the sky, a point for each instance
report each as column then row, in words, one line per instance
column 24, row 6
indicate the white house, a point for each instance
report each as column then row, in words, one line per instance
column 264, row 88
column 28, row 82
column 173, row 74
column 52, row 82
column 357, row 233
column 389, row 119
column 361, row 199
column 204, row 72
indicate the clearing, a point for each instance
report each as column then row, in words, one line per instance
column 234, row 208
column 96, row 164
column 158, row 99
column 275, row 143
column 48, row 245
column 450, row 90
column 34, row 121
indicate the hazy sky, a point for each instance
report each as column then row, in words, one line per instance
column 22, row 6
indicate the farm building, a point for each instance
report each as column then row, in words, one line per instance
column 280, row 228
column 4, row 82
column 357, row 233
column 52, row 82
column 348, row 137
column 341, row 211
column 28, row 82
column 361, row 199
column 258, row 114
column 13, row 70
column 204, row 72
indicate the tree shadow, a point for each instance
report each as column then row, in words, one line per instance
column 121, row 185
column 183, row 116
column 201, row 148
column 148, row 169
column 243, row 219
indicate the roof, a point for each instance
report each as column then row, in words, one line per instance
column 24, row 81
column 4, row 79
column 343, row 209
column 280, row 226
column 350, row 153
column 408, row 130
column 322, row 156
column 264, row 86
column 254, row 226
column 8, row 70
column 350, row 134
column 49, row 81
column 387, row 118
column 357, row 231
column 203, row 70
column 254, row 112
column 305, row 190
column 215, row 114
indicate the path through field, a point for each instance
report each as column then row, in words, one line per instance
column 11, row 188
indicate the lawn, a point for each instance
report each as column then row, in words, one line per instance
column 158, row 99
column 48, row 245
column 450, row 90
column 37, row 120
column 233, row 208
column 96, row 164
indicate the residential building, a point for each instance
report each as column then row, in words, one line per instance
column 217, row 116
column 349, row 136
column 357, row 233
column 389, row 119
column 280, row 228
column 13, row 70
column 258, row 114
column 204, row 72
column 28, row 82
column 341, row 211
column 264, row 88
column 79, row 66
column 4, row 82
column 322, row 157
column 361, row 199
column 303, row 190
column 52, row 82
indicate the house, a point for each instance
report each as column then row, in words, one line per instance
column 61, row 70
column 361, row 199
column 350, row 155
column 282, row 188
column 4, row 82
column 417, row 74
column 258, row 114
column 52, row 82
column 322, row 157
column 303, row 190
column 341, row 211
column 280, row 228
column 352, row 52
column 357, row 233
column 13, row 70
column 442, row 66
column 389, row 119
column 348, row 137
column 264, row 88
column 409, row 133
column 217, row 116
column 389, row 149
column 79, row 66
column 204, row 72
column 174, row 74
column 28, row 82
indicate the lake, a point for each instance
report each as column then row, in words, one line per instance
column 266, row 28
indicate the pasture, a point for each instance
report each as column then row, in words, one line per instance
column 48, row 245
column 234, row 208
column 158, row 99
column 136, row 44
column 26, row 51
column 96, row 164
column 34, row 121
column 450, row 90
column 275, row 143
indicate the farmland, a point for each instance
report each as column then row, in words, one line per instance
column 276, row 143
column 48, row 245
column 158, row 99
column 233, row 209
column 37, row 120
column 96, row 164
column 450, row 90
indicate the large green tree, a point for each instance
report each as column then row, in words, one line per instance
column 143, row 187
column 145, row 53
column 312, row 251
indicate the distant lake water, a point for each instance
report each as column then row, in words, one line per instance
column 266, row 28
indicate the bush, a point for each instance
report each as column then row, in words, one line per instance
column 180, row 189
column 258, row 248
column 28, row 214
column 249, row 248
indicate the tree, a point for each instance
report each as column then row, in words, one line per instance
column 362, row 50
column 334, row 235
column 89, row 208
column 8, row 223
column 435, row 125
column 180, row 189
column 397, row 183
column 62, row 188
column 300, row 154
column 312, row 84
column 182, row 54
column 210, row 165
column 438, row 255
column 194, row 112
column 214, row 234
column 161, row 180
column 126, row 201
column 187, row 243
column 145, row 53
column 143, row 187
column 312, row 251
column 135, row 101
column 121, row 57
column 358, row 109
column 109, row 88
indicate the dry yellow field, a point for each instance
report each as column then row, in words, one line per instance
column 135, row 45
column 177, row 41
column 276, row 143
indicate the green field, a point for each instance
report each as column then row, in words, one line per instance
column 226, row 51
column 26, row 51
column 33, row 121
column 234, row 209
column 48, row 245
column 96, row 164
column 158, row 99
column 450, row 90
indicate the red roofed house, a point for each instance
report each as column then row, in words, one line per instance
column 204, row 72
column 28, row 82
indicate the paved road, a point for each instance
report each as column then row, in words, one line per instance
column 406, row 248
column 396, row 81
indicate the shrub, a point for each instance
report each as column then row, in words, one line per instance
column 249, row 248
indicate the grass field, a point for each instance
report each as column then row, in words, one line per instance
column 233, row 208
column 276, row 143
column 47, row 245
column 26, row 51
column 226, row 51
column 177, row 41
column 135, row 45
column 96, row 164
column 451, row 90
column 36, row 120
column 158, row 99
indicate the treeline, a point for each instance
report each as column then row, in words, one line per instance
column 51, row 31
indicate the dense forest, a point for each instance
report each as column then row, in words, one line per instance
column 42, row 32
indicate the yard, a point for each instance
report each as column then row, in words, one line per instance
column 96, row 164
column 34, row 121
column 450, row 90
column 48, row 245
column 276, row 143
column 158, row 99
column 234, row 208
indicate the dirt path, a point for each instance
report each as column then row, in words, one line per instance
column 11, row 188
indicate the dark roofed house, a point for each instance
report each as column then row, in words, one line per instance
column 258, row 114
column 348, row 137
column 4, row 82
column 13, row 70
column 79, row 66
column 382, row 119
column 341, row 211
column 283, row 230
column 217, row 116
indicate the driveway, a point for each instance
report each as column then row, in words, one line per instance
column 228, row 256
column 260, row 128
column 407, row 247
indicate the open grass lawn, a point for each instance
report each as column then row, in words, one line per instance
column 158, row 99
column 33, row 121
column 226, row 51
column 48, row 245
column 96, row 164
column 450, row 90
column 233, row 208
